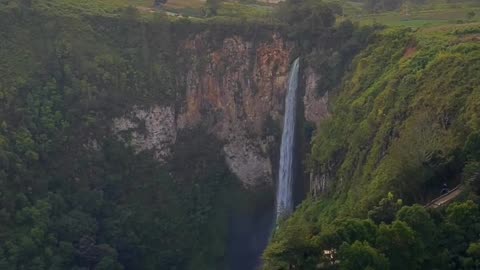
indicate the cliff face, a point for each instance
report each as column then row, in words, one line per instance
column 315, row 106
column 240, row 87
column 234, row 90
column 194, row 107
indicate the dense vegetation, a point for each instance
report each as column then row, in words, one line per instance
column 410, row 237
column 73, row 196
column 327, row 46
column 402, row 118
column 405, row 120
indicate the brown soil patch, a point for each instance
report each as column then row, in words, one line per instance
column 409, row 52
column 468, row 38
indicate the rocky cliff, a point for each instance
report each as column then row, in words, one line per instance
column 234, row 90
column 194, row 101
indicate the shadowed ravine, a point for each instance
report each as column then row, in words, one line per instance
column 249, row 231
column 249, row 234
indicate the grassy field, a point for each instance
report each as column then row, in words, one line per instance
column 435, row 13
column 195, row 8
column 88, row 6
column 427, row 15
column 188, row 8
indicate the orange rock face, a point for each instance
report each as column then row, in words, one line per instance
column 238, row 82
column 237, row 86
column 233, row 87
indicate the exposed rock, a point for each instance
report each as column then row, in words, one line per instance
column 232, row 89
column 318, row 183
column 246, row 159
column 239, row 81
column 236, row 90
column 316, row 108
column 150, row 129
column 92, row 144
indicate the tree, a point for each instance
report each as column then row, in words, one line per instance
column 471, row 174
column 385, row 210
column 471, row 149
column 422, row 150
column 470, row 15
column 419, row 220
column 474, row 252
column 306, row 19
column 212, row 7
column 295, row 250
column 130, row 14
column 352, row 230
column 466, row 216
column 360, row 255
column 398, row 242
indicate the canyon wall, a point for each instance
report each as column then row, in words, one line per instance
column 235, row 90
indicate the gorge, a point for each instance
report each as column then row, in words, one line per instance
column 186, row 120
column 134, row 140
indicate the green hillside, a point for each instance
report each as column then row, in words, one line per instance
column 403, row 88
column 405, row 121
column 64, row 205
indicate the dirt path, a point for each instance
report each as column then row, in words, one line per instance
column 446, row 198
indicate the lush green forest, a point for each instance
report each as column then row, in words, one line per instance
column 63, row 205
column 72, row 195
column 405, row 122
column 393, row 237
column 75, row 197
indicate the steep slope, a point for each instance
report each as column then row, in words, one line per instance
column 401, row 118
column 137, row 143
column 134, row 144
column 404, row 122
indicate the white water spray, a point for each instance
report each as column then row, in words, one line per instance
column 285, row 174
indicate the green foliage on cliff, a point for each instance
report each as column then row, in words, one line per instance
column 416, row 238
column 77, row 8
column 401, row 118
column 72, row 196
column 328, row 45
column 405, row 121
column 306, row 18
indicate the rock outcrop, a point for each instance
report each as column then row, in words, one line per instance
column 237, row 89
column 153, row 129
column 233, row 90
column 316, row 106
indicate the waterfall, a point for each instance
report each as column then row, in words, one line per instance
column 285, row 173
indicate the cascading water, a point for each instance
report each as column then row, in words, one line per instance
column 250, row 231
column 285, row 174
